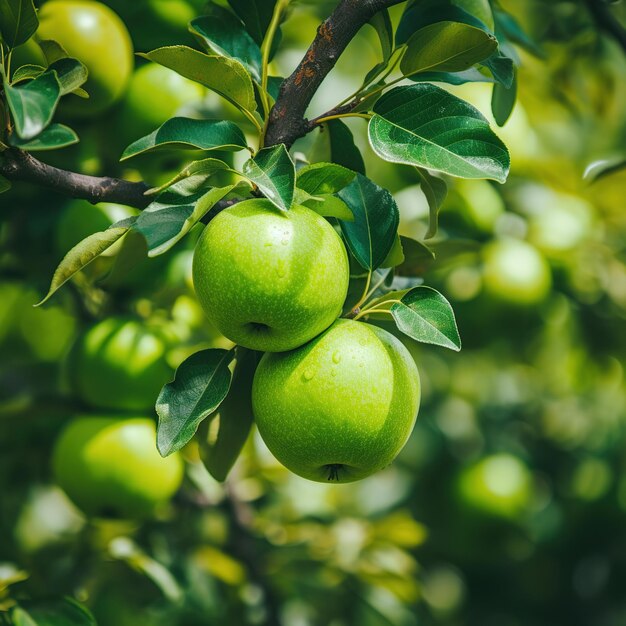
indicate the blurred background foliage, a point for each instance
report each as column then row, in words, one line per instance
column 508, row 504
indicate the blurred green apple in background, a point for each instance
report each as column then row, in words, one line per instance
column 270, row 280
column 96, row 36
column 120, row 364
column 110, row 467
column 515, row 272
column 499, row 485
column 342, row 406
column 155, row 93
column 80, row 218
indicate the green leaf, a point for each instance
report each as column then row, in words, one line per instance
column 27, row 72
column 70, row 72
column 32, row 105
column 18, row 21
column 329, row 205
column 435, row 190
column 193, row 176
column 199, row 386
column 417, row 258
column 502, row 68
column 599, row 169
column 472, row 75
column 381, row 22
column 324, row 178
column 64, row 612
column 427, row 12
column 256, row 15
column 503, row 101
column 50, row 138
column 274, row 173
column 396, row 254
column 187, row 133
column 426, row 316
column 5, row 184
column 511, row 29
column 235, row 419
column 222, row 33
column 446, row 47
column 227, row 77
column 81, row 255
column 167, row 220
column 342, row 148
column 425, row 126
column 371, row 235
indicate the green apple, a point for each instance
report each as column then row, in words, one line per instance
column 80, row 218
column 155, row 93
column 516, row 272
column 95, row 35
column 120, row 364
column 270, row 280
column 342, row 406
column 110, row 467
column 499, row 485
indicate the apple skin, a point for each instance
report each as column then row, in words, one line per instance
column 110, row 467
column 96, row 36
column 340, row 407
column 516, row 272
column 120, row 364
column 270, row 280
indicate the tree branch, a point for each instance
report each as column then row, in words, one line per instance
column 287, row 122
column 18, row 165
column 604, row 18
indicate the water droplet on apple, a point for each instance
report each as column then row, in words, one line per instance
column 284, row 242
column 336, row 356
column 362, row 342
column 333, row 372
column 308, row 374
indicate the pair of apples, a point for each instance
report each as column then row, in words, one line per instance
column 334, row 399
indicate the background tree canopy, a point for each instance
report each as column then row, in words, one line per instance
column 470, row 156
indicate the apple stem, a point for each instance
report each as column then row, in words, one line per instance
column 333, row 471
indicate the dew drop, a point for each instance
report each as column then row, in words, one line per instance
column 284, row 242
column 308, row 374
column 336, row 356
column 362, row 342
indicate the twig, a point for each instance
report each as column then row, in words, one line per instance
column 287, row 121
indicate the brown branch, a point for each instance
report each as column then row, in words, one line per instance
column 604, row 18
column 18, row 165
column 287, row 122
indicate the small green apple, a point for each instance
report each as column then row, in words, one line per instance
column 97, row 37
column 516, row 272
column 120, row 364
column 270, row 280
column 342, row 406
column 110, row 467
column 498, row 485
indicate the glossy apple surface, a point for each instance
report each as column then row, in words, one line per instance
column 342, row 406
column 96, row 36
column 270, row 280
column 110, row 467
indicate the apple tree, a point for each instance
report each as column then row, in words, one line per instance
column 270, row 202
